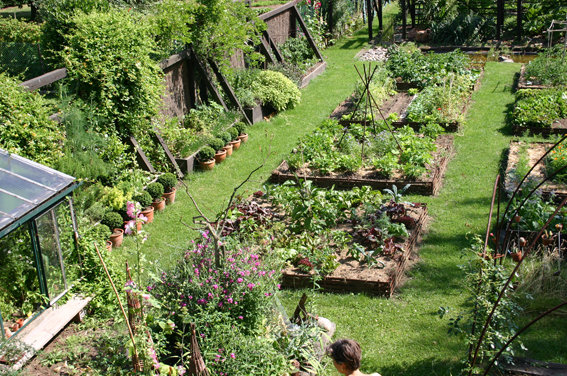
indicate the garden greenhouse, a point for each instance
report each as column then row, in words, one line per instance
column 37, row 231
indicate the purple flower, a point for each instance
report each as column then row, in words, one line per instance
column 239, row 280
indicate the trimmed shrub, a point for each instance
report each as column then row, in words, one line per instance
column 155, row 190
column 225, row 136
column 240, row 127
column 144, row 198
column 205, row 154
column 277, row 90
column 112, row 220
column 217, row 144
column 233, row 133
column 168, row 180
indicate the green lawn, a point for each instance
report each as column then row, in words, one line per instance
column 402, row 335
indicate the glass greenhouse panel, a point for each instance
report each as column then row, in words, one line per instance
column 51, row 257
column 20, row 294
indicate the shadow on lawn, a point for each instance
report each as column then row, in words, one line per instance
column 430, row 366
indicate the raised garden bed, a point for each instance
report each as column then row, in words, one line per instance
column 258, row 113
column 557, row 127
column 524, row 83
column 535, row 151
column 352, row 276
column 427, row 185
column 313, row 72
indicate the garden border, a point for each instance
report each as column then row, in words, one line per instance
column 292, row 279
column 522, row 82
column 428, row 187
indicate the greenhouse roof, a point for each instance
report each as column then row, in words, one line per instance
column 27, row 189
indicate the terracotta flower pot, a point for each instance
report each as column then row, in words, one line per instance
column 109, row 246
column 228, row 149
column 148, row 213
column 220, row 156
column 235, row 144
column 170, row 196
column 243, row 137
column 159, row 205
column 517, row 256
column 207, row 165
column 117, row 237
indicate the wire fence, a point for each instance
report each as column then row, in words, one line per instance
column 22, row 60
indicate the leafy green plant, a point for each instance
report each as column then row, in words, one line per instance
column 108, row 59
column 297, row 51
column 233, row 133
column 225, row 136
column 155, row 190
column 240, row 127
column 277, row 90
column 26, row 128
column 112, row 220
column 205, row 154
column 144, row 198
column 539, row 108
column 217, row 144
column 549, row 67
column 168, row 180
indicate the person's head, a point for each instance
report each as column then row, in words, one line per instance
column 346, row 355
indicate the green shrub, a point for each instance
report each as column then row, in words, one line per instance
column 225, row 136
column 26, row 128
column 217, row 144
column 144, row 198
column 277, row 90
column 108, row 60
column 14, row 30
column 168, row 180
column 240, row 127
column 112, row 220
column 233, row 133
column 242, row 82
column 155, row 190
column 298, row 52
column 205, row 154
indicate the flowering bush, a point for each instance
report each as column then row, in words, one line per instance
column 555, row 161
column 227, row 303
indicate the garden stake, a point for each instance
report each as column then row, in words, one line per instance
column 136, row 356
column 475, row 311
column 380, row 111
column 508, row 281
column 196, row 364
column 522, row 182
column 549, row 311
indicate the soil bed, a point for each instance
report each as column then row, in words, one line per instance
column 352, row 276
column 524, row 83
column 535, row 151
column 557, row 127
column 428, row 184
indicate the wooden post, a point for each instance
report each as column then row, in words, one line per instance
column 380, row 16
column 307, row 34
column 404, row 19
column 209, row 83
column 412, row 12
column 228, row 90
column 143, row 161
column 265, row 48
column 519, row 14
column 330, row 16
column 168, row 154
column 499, row 18
column 273, row 46
column 369, row 17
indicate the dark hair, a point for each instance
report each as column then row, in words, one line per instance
column 347, row 352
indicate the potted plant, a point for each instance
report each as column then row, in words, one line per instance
column 114, row 221
column 206, row 158
column 145, row 201
column 217, row 144
column 156, row 191
column 225, row 137
column 241, row 128
column 169, row 181
column 235, row 141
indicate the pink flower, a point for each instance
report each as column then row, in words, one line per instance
column 146, row 296
column 130, row 209
column 130, row 227
column 232, row 355
column 239, row 280
column 318, row 5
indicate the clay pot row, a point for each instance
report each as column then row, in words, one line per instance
column 117, row 236
column 226, row 152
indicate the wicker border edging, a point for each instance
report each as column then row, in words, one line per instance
column 425, row 187
column 295, row 280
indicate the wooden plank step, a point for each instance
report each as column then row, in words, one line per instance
column 47, row 325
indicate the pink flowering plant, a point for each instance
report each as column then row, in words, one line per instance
column 228, row 303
